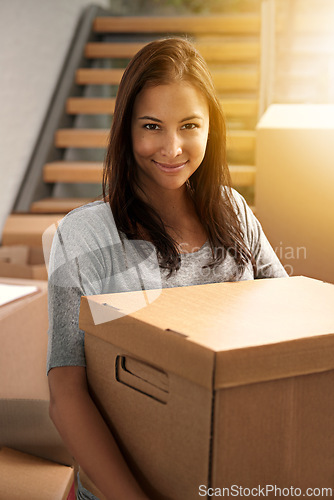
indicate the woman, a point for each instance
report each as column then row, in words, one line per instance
column 168, row 205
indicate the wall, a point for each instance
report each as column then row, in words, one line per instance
column 34, row 39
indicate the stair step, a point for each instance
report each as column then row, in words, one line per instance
column 90, row 106
column 240, row 107
column 88, row 76
column 225, row 24
column 73, row 172
column 81, row 138
column 239, row 140
column 234, row 79
column 27, row 229
column 221, row 51
column 89, row 172
column 115, row 50
column 94, row 106
column 242, row 175
column 57, row 205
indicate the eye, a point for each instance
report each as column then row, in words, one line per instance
column 189, row 126
column 151, row 126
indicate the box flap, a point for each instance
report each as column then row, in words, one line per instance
column 237, row 322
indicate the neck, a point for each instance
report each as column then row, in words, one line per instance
column 169, row 204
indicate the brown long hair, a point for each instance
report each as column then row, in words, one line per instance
column 157, row 63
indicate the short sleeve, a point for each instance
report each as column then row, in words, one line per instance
column 88, row 257
column 77, row 267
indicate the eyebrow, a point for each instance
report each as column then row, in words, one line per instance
column 193, row 117
column 160, row 121
column 150, row 118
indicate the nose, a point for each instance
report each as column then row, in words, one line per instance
column 172, row 145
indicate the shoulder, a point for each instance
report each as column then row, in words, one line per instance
column 235, row 197
column 91, row 224
column 250, row 226
column 238, row 203
column 88, row 215
column 82, row 233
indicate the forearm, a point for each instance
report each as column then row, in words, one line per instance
column 91, row 443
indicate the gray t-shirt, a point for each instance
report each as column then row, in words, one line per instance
column 89, row 256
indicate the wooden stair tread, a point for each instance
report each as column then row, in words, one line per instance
column 233, row 79
column 57, row 205
column 236, row 80
column 73, row 172
column 240, row 107
column 242, row 140
column 81, row 138
column 91, row 172
column 89, row 76
column 242, row 175
column 27, row 229
column 231, row 23
column 223, row 51
column 120, row 50
column 92, row 106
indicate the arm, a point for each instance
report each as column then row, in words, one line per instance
column 80, row 264
column 87, row 436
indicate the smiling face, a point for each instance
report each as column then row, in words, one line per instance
column 170, row 125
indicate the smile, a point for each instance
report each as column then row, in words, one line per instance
column 167, row 167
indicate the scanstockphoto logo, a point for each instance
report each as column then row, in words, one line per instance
column 289, row 253
column 123, row 266
column 268, row 490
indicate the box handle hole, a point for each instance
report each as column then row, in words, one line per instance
column 142, row 377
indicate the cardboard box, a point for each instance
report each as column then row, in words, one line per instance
column 20, row 261
column 217, row 385
column 30, row 478
column 24, row 394
column 294, row 186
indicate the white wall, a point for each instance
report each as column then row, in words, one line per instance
column 34, row 38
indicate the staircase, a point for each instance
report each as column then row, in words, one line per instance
column 230, row 43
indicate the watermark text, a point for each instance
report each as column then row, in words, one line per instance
column 264, row 491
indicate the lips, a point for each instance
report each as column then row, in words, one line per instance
column 170, row 167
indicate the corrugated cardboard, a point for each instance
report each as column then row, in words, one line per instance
column 294, row 186
column 20, row 261
column 218, row 385
column 24, row 395
column 30, row 478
